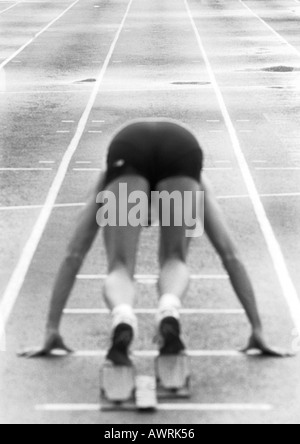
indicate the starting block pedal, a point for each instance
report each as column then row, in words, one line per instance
column 117, row 387
column 173, row 376
column 122, row 390
column 146, row 395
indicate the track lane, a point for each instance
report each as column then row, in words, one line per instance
column 245, row 381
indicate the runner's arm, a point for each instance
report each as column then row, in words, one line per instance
column 78, row 248
column 220, row 236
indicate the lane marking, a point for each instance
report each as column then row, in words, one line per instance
column 95, row 132
column 25, row 169
column 126, row 90
column 47, row 162
column 39, row 207
column 154, row 353
column 263, row 196
column 19, row 274
column 282, row 39
column 67, row 91
column 222, row 161
column 278, row 168
column 183, row 311
column 218, row 169
column 68, row 121
column 288, row 288
column 10, row 7
column 88, row 169
column 15, row 54
column 82, row 204
column 238, row 196
column 83, row 162
column 153, row 277
column 189, row 407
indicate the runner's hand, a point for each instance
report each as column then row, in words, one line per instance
column 53, row 342
column 257, row 342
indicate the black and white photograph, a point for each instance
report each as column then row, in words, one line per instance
column 149, row 214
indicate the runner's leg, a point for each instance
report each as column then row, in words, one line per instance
column 174, row 275
column 121, row 246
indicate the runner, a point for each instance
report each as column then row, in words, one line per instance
column 150, row 155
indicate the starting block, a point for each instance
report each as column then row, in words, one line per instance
column 117, row 387
column 146, row 395
column 173, row 376
column 122, row 390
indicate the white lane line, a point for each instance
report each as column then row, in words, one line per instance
column 15, row 54
column 216, row 407
column 153, row 277
column 263, row 196
column 222, row 161
column 47, row 162
column 10, row 7
column 183, row 311
column 82, row 204
column 282, row 39
column 34, row 92
column 68, row 121
column 288, row 288
column 278, row 168
column 188, row 407
column 95, row 132
column 83, row 162
column 230, row 197
column 25, row 169
column 218, row 169
column 39, row 207
column 281, row 195
column 88, row 169
column 18, row 276
column 154, row 353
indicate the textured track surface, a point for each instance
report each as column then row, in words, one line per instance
column 229, row 69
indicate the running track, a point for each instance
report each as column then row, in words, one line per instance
column 74, row 72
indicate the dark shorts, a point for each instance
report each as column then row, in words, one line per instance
column 156, row 151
